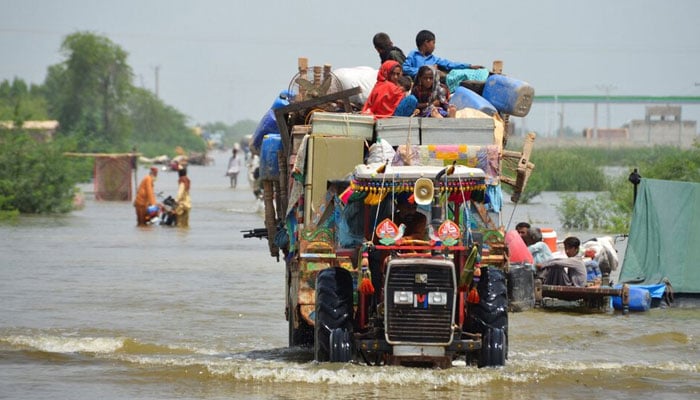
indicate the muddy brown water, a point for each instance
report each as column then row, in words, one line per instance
column 92, row 306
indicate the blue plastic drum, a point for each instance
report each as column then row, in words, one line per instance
column 640, row 300
column 509, row 95
column 465, row 98
column 269, row 166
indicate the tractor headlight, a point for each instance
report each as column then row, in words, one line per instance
column 437, row 298
column 403, row 297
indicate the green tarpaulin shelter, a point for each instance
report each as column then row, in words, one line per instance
column 664, row 240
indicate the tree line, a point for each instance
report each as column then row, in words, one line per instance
column 99, row 109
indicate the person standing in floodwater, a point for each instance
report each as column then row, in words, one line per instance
column 235, row 163
column 184, row 204
column 145, row 196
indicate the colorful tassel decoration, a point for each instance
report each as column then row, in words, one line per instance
column 365, row 287
column 347, row 193
column 382, row 167
column 473, row 295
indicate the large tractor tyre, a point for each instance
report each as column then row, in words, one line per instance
column 334, row 311
column 303, row 334
column 494, row 347
column 492, row 309
column 490, row 315
column 341, row 345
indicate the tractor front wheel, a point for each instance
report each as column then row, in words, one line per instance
column 333, row 315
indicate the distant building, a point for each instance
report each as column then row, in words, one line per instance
column 42, row 131
column 662, row 125
column 616, row 134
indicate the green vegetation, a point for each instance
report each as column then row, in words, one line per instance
column 579, row 169
column 599, row 213
column 35, row 178
column 232, row 133
column 566, row 170
column 99, row 110
column 158, row 128
column 89, row 92
column 563, row 170
column 20, row 102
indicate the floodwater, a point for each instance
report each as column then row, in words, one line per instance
column 92, row 306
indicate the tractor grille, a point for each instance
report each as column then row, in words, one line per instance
column 417, row 320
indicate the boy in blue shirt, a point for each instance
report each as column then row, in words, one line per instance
column 423, row 55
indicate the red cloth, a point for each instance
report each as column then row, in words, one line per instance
column 517, row 249
column 385, row 95
column 186, row 181
column 113, row 178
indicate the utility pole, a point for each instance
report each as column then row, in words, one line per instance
column 157, row 70
column 607, row 89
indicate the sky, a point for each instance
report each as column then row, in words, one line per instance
column 226, row 60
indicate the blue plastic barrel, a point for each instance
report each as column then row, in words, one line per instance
column 269, row 167
column 640, row 300
column 466, row 98
column 509, row 95
column 267, row 125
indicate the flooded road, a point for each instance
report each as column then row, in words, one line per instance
column 93, row 306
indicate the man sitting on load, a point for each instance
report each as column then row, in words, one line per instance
column 570, row 271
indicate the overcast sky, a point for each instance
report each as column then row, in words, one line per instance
column 226, row 60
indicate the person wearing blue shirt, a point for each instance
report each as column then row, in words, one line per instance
column 539, row 249
column 423, row 55
column 593, row 274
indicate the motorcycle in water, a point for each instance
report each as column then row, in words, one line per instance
column 167, row 214
column 162, row 215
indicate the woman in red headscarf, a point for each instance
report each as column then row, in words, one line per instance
column 386, row 94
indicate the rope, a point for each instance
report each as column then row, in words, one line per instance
column 309, row 116
column 465, row 211
column 376, row 215
column 408, row 151
column 511, row 216
column 346, row 119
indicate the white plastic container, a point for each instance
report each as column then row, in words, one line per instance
column 397, row 130
column 473, row 131
column 342, row 124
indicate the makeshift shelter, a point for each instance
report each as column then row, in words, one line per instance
column 665, row 236
column 112, row 175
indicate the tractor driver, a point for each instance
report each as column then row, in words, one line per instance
column 416, row 222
